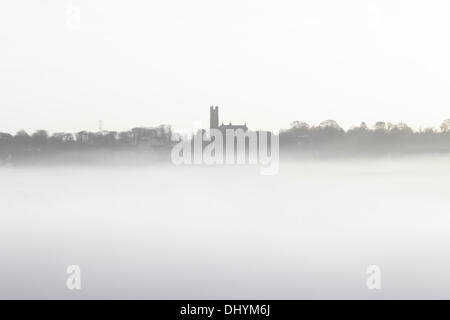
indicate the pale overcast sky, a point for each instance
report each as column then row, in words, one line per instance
column 142, row 63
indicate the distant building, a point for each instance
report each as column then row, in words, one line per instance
column 248, row 134
column 214, row 121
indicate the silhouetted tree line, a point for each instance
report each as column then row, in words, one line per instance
column 328, row 138
column 41, row 143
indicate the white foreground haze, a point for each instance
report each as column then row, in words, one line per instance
column 227, row 232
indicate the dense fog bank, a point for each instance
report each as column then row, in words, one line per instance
column 193, row 232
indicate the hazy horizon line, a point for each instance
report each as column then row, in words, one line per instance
column 371, row 126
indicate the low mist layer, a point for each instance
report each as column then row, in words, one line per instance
column 167, row 232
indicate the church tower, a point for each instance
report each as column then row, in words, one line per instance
column 213, row 117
